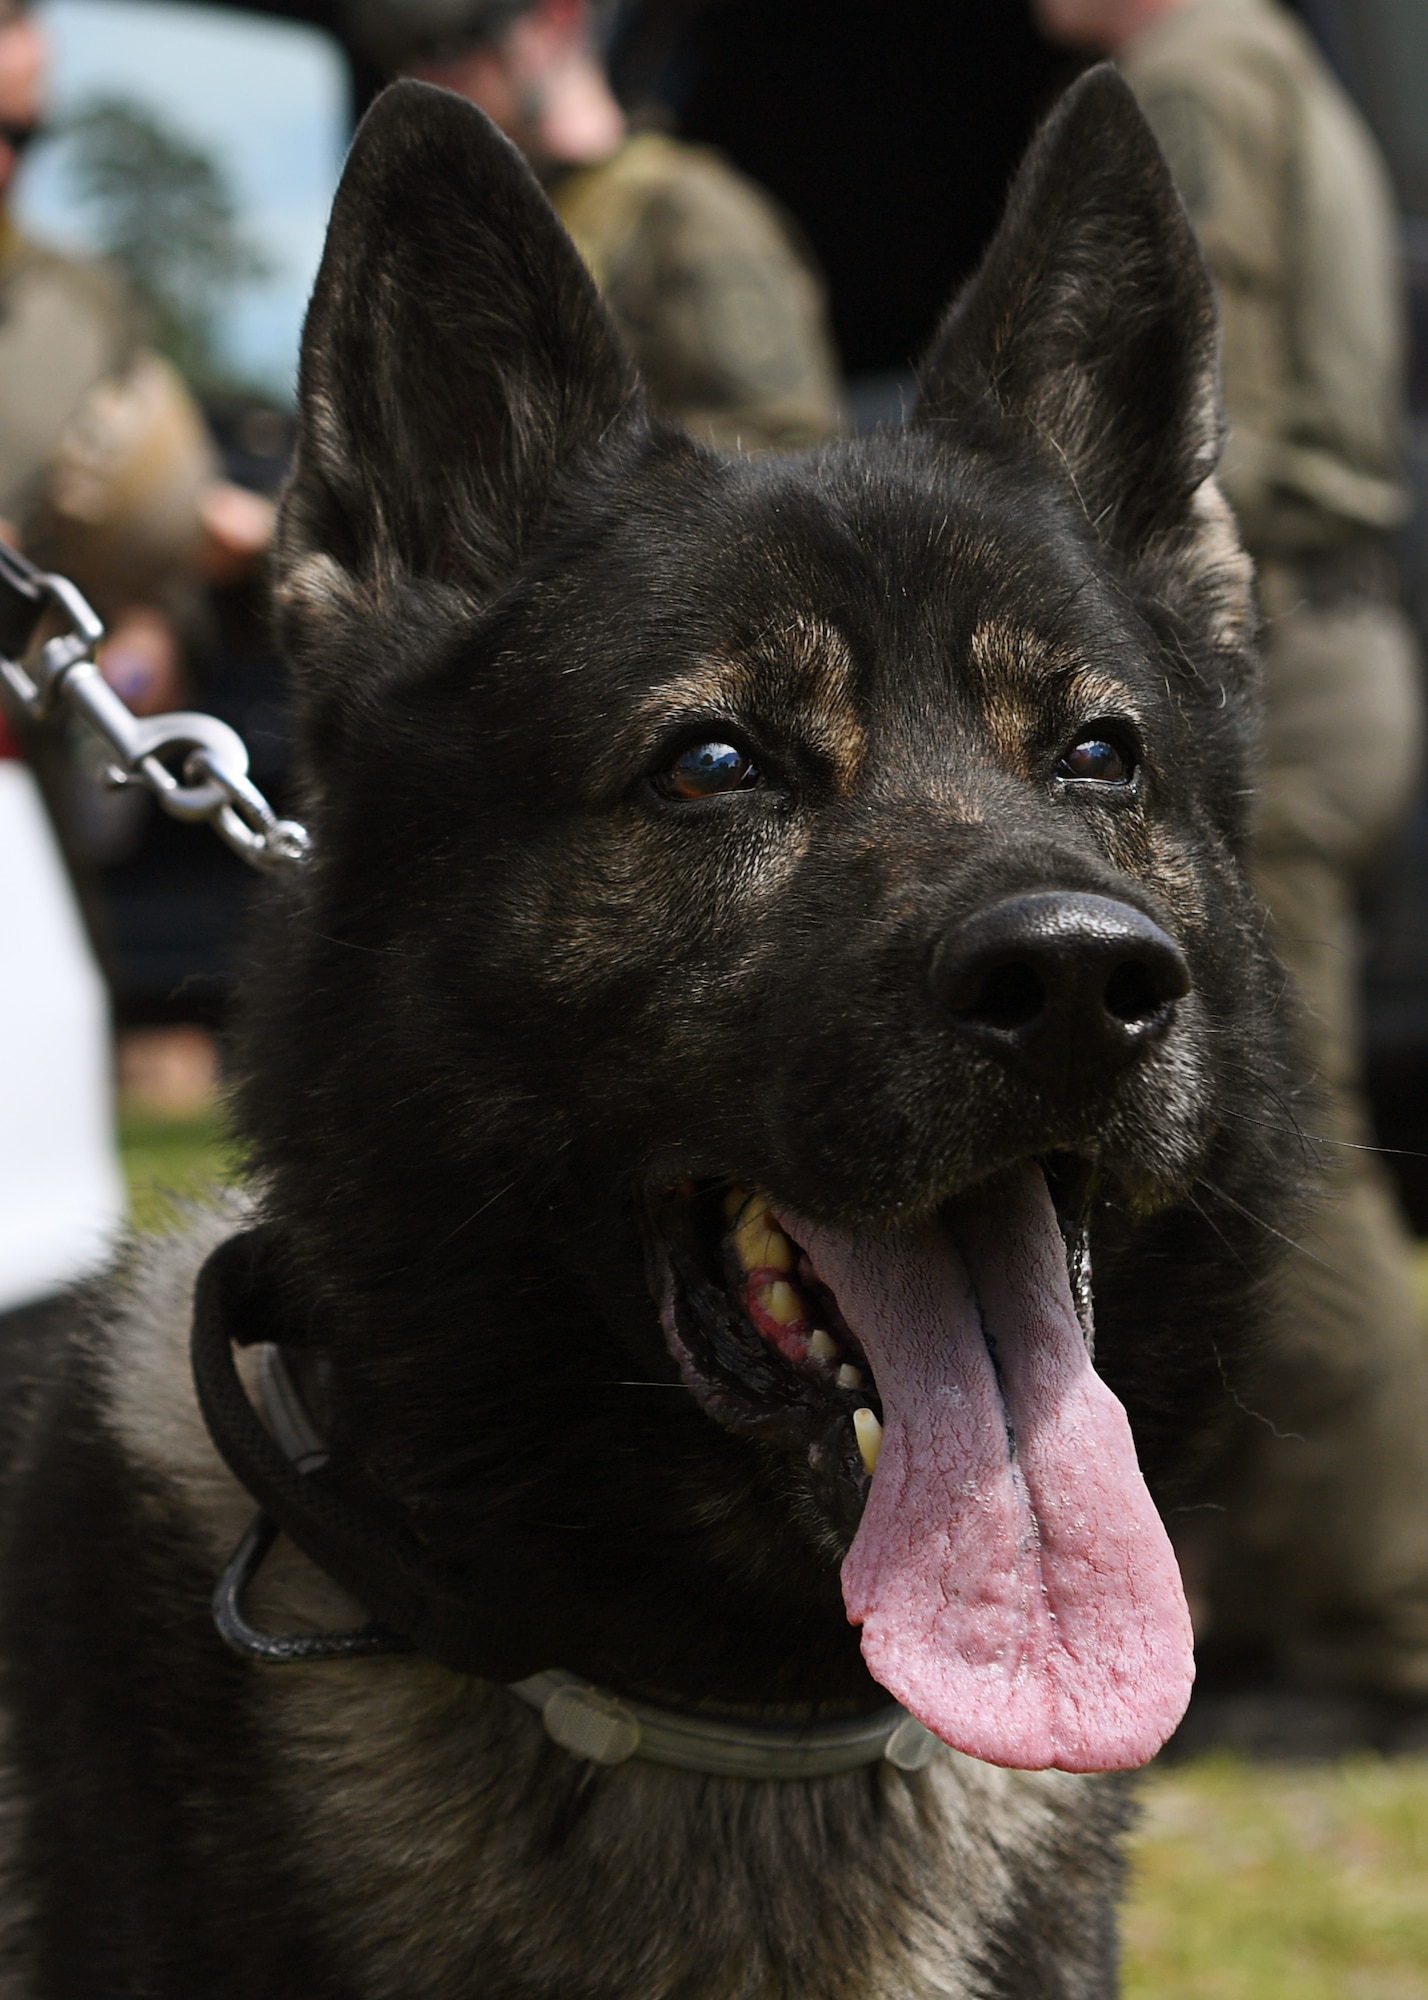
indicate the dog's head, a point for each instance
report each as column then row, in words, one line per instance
column 776, row 925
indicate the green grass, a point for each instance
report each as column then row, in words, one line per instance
column 1250, row 1882
column 166, row 1158
column 1256, row 1882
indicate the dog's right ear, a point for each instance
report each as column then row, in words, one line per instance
column 455, row 357
column 1090, row 326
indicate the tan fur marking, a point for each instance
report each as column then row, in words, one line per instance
column 1016, row 669
column 714, row 684
column 1007, row 663
column 317, row 586
column 800, row 679
column 1094, row 694
column 820, row 678
column 799, row 684
column 1222, row 557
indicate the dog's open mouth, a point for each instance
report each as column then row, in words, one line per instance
column 1014, row 1584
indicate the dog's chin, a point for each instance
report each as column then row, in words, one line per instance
column 763, row 1343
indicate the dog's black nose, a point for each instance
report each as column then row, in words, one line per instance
column 1059, row 979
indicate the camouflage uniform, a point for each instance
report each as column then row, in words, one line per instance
column 1324, row 1551
column 724, row 319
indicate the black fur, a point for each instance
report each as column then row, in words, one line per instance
column 519, row 990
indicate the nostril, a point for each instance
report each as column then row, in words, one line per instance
column 1060, row 979
column 1133, row 993
column 1008, row 996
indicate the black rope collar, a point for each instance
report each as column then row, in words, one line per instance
column 339, row 1520
column 331, row 1511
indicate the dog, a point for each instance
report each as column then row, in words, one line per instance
column 776, row 944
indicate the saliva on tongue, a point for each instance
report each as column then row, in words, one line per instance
column 1015, row 1586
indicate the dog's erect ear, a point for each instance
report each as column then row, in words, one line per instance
column 455, row 357
column 1091, row 321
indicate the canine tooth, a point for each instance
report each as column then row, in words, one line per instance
column 822, row 1346
column 781, row 1302
column 742, row 1207
column 762, row 1246
column 869, row 1433
column 849, row 1377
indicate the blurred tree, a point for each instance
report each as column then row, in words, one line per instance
column 163, row 210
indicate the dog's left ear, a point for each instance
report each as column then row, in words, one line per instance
column 455, row 359
column 1090, row 325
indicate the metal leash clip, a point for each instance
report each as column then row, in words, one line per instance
column 195, row 765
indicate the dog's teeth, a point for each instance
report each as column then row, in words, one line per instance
column 735, row 1202
column 762, row 1245
column 849, row 1377
column 781, row 1302
column 822, row 1346
column 869, row 1433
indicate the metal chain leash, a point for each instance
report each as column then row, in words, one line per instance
column 195, row 765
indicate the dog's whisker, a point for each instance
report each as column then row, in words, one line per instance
column 1299, row 1249
column 1313, row 1140
column 500, row 1195
column 351, row 944
column 1210, row 1223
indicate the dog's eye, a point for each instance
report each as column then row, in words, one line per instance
column 706, row 768
column 1095, row 758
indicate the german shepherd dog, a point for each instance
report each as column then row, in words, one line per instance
column 776, row 928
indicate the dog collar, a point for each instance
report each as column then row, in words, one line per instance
column 418, row 1609
column 608, row 1729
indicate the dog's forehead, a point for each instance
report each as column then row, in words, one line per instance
column 857, row 588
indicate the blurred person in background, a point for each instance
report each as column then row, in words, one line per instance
column 719, row 308
column 107, row 475
column 107, row 470
column 1318, row 1575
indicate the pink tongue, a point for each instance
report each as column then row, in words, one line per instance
column 1021, row 1599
